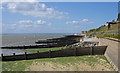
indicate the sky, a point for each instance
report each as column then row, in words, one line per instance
column 118, row 7
column 56, row 17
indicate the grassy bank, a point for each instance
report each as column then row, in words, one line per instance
column 104, row 32
column 80, row 63
column 42, row 49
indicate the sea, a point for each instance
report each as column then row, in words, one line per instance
column 25, row 39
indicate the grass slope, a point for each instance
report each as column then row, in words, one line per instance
column 104, row 32
column 80, row 63
column 42, row 49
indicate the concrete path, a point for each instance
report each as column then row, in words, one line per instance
column 112, row 51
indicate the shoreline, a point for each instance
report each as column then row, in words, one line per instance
column 59, row 40
column 17, row 40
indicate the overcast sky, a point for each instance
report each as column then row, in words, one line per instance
column 56, row 17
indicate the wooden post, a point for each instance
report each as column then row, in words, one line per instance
column 91, row 50
column 25, row 56
column 2, row 55
column 75, row 51
column 50, row 54
column 2, row 59
column 61, row 52
column 38, row 52
column 13, row 56
column 108, row 26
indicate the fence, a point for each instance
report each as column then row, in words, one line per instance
column 96, row 50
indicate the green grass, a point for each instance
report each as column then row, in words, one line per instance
column 15, row 65
column 42, row 49
column 22, row 65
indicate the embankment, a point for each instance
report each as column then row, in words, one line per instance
column 112, row 50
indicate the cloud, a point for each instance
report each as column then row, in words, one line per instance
column 6, row 1
column 37, row 22
column 30, row 23
column 25, row 22
column 83, row 21
column 40, row 22
column 36, row 9
column 8, row 27
column 1, row 7
column 26, row 25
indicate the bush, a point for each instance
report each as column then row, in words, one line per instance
column 117, row 36
column 91, row 30
column 107, row 35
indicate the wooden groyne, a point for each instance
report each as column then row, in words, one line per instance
column 68, row 39
column 29, row 47
column 79, row 51
column 49, row 43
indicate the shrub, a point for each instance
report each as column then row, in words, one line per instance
column 91, row 30
column 117, row 36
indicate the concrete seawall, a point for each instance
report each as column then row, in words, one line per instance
column 112, row 50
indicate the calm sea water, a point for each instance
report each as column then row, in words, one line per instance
column 23, row 39
column 14, row 40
